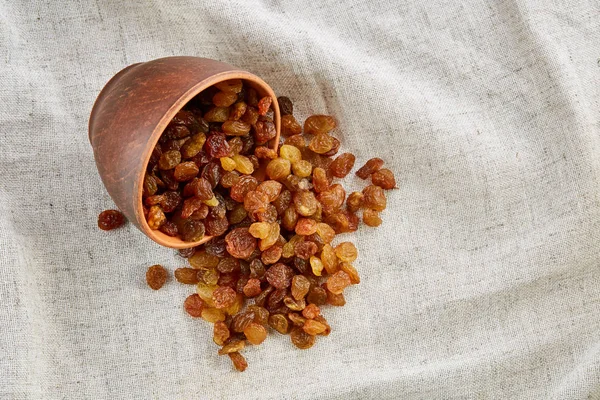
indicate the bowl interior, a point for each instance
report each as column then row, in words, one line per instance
column 251, row 80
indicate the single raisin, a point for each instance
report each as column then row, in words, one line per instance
column 341, row 166
column 194, row 305
column 241, row 188
column 264, row 104
column 320, row 180
column 384, row 178
column 278, row 168
column 338, row 282
column 156, row 276
column 371, row 218
column 373, row 165
column 240, row 243
column 374, row 198
column 279, row 276
column 223, row 297
column 280, row 323
column 301, row 339
column 238, row 360
column 220, row 333
column 187, row 276
column 319, row 124
column 346, row 251
column 332, row 199
column 192, row 231
column 321, row 143
column 255, row 333
column 110, row 219
column 285, row 105
column 156, row 217
column 317, row 295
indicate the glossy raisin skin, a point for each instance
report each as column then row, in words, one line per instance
column 110, row 219
column 384, row 178
column 374, row 164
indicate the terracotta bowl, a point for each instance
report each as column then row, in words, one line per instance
column 132, row 111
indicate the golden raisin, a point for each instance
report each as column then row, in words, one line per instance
column 351, row 271
column 194, row 305
column 374, row 198
column 341, row 166
column 301, row 339
column 220, row 333
column 346, row 251
column 278, row 168
column 319, row 124
column 280, row 323
column 306, row 226
column 238, row 360
column 338, row 282
column 188, row 276
column 321, row 143
column 289, row 126
column 313, row 327
column 371, row 218
column 384, row 178
column 311, row 311
column 373, row 165
column 255, row 333
column 300, row 286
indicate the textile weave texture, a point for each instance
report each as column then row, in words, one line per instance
column 483, row 281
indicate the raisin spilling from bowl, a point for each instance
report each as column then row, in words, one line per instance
column 273, row 263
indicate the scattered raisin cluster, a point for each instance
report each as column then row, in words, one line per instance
column 274, row 215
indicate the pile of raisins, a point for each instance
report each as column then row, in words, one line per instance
column 274, row 215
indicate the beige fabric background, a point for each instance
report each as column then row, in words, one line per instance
column 482, row 283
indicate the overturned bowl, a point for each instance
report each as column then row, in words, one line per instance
column 131, row 113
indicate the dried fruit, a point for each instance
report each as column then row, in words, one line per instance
column 238, row 360
column 264, row 104
column 241, row 188
column 156, row 276
column 332, row 199
column 319, row 124
column 203, row 260
column 110, row 219
column 278, row 168
column 279, row 276
column 270, row 188
column 301, row 339
column 194, row 305
column 373, row 165
column 337, row 300
column 341, row 166
column 384, row 178
column 252, row 288
column 232, row 346
column 220, row 333
column 311, row 311
column 320, row 181
column 188, row 276
column 255, row 333
column 223, row 297
column 321, row 143
column 351, row 271
column 300, row 286
column 286, row 107
column 316, row 265
column 156, row 217
column 371, row 218
column 212, row 315
column 305, row 250
column 280, row 323
column 313, row 327
column 230, row 86
column 305, row 203
column 337, row 282
column 240, row 243
column 317, row 295
column 346, row 251
column 374, row 198
column 329, row 259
